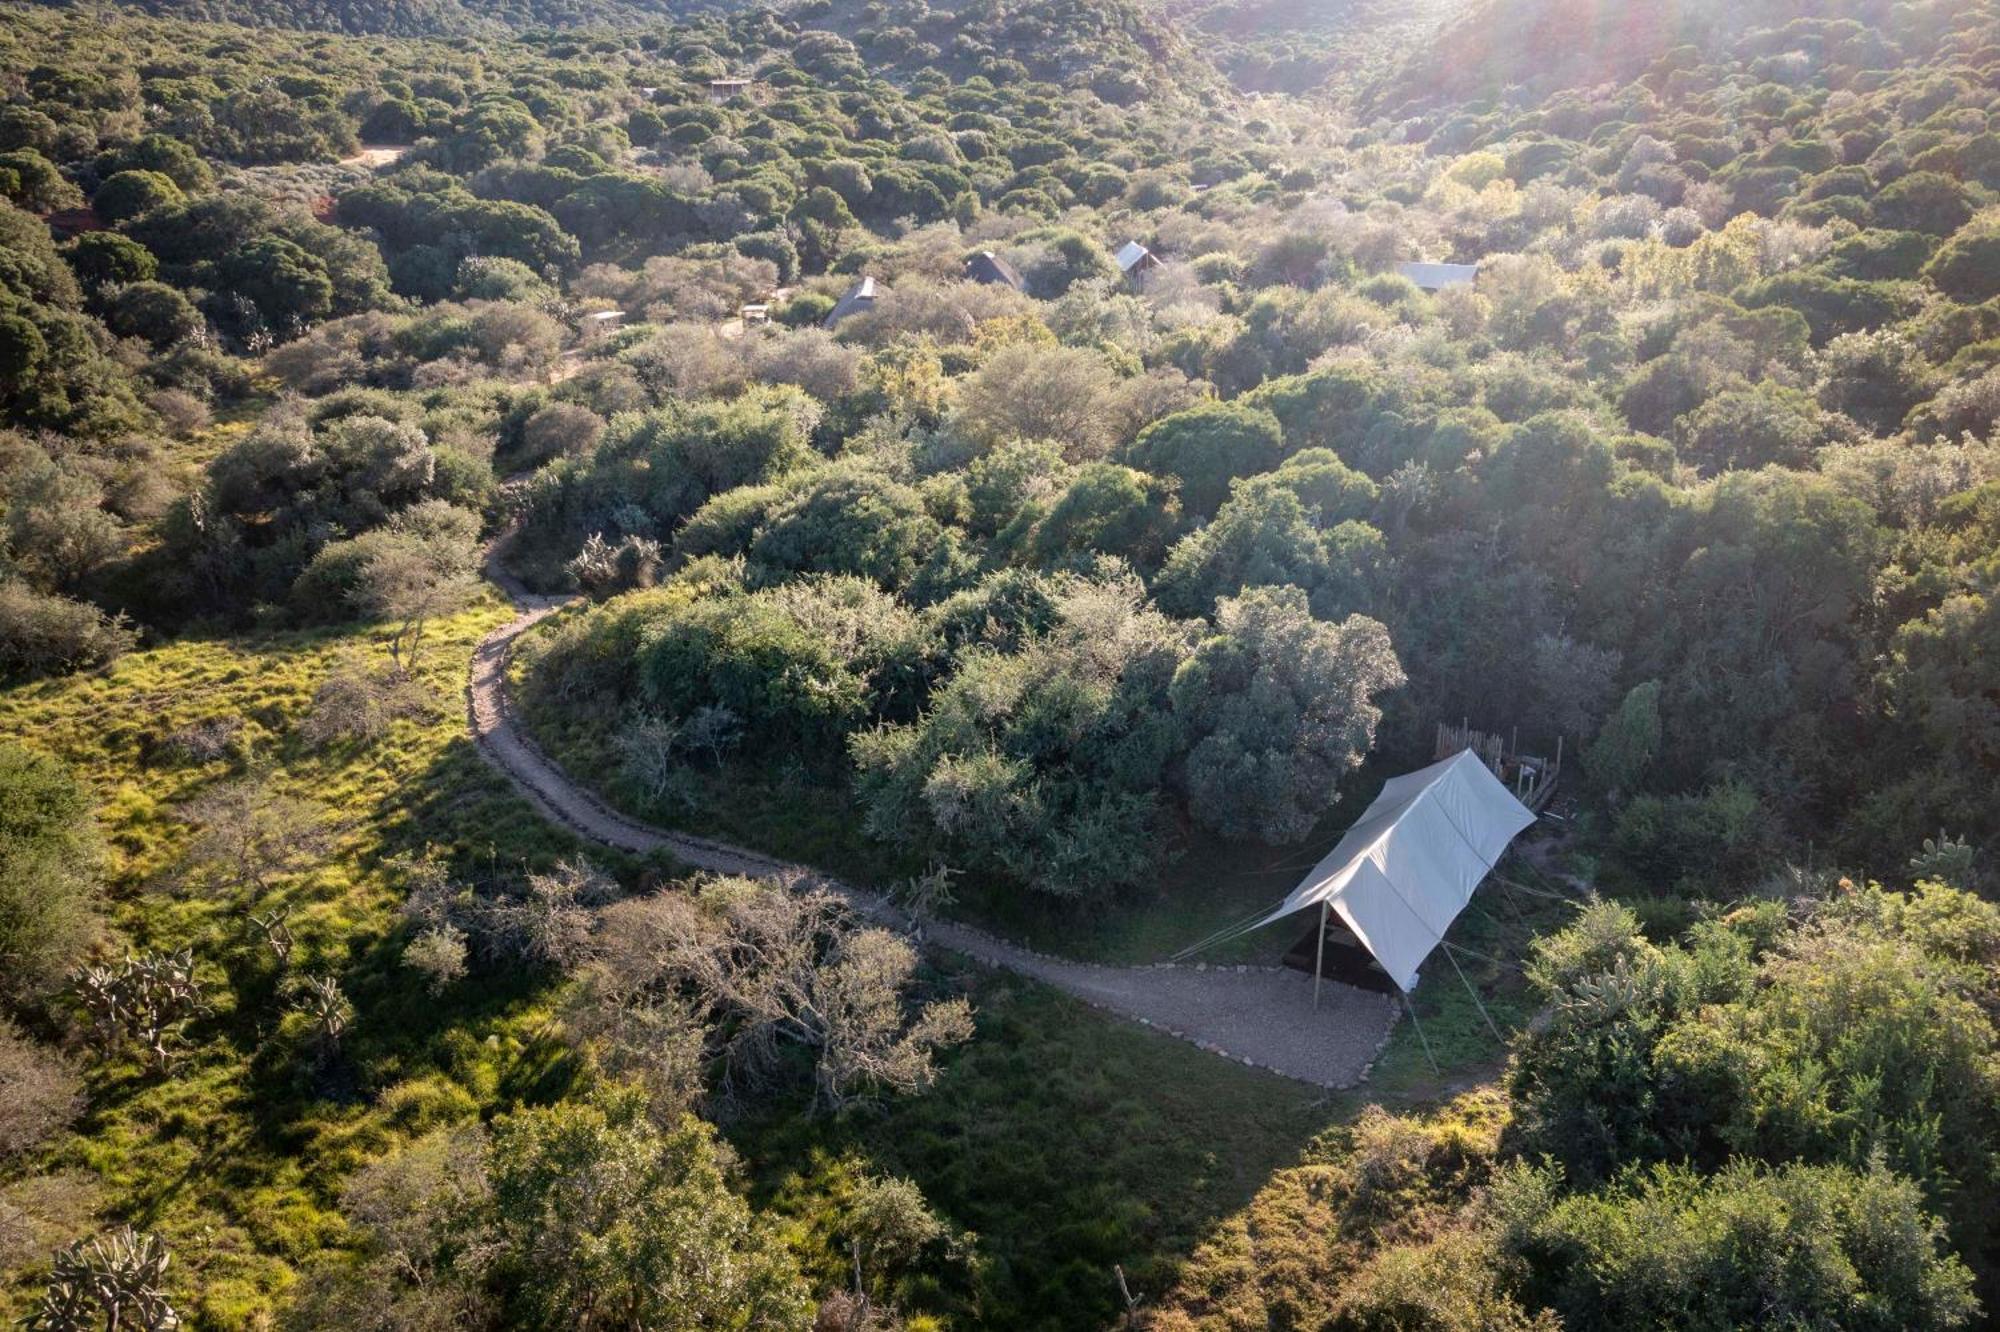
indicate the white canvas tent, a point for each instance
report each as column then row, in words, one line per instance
column 1403, row 873
column 859, row 297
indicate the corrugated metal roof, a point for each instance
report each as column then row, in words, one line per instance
column 1433, row 276
column 1131, row 253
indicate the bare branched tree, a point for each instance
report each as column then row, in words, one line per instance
column 927, row 894
column 764, row 967
column 547, row 922
column 354, row 704
column 657, row 753
column 421, row 569
column 249, row 835
column 39, row 1092
column 867, row 1045
column 653, row 1039
column 431, row 897
column 649, row 750
column 551, row 922
column 438, row 954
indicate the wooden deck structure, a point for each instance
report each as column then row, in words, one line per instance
column 1531, row 777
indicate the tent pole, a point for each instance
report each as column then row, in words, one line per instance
column 1319, row 958
column 1411, row 1009
column 1450, row 953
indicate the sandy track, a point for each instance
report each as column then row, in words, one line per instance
column 376, row 156
column 1260, row 1016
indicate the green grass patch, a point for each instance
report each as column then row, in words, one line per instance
column 1068, row 1141
column 238, row 1156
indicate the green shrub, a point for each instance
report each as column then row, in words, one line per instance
column 44, row 634
column 1276, row 708
column 1205, row 448
column 131, row 193
column 1042, row 764
column 49, row 854
column 1799, row 1246
column 1852, row 1036
column 1967, row 268
column 798, row 664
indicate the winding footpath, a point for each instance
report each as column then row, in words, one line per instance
column 1258, row 1016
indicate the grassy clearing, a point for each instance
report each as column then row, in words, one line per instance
column 238, row 1156
column 1070, row 1142
column 223, row 432
column 1287, row 1258
column 1066, row 1140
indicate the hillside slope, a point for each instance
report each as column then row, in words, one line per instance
column 1536, row 47
column 422, row 18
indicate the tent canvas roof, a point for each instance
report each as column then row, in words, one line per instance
column 859, row 297
column 1130, row 253
column 1403, row 873
column 989, row 267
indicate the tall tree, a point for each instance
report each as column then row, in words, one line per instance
column 1277, row 707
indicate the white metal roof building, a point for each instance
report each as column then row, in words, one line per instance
column 1435, row 277
column 1133, row 257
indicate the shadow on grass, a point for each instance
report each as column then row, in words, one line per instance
column 1069, row 1142
column 239, row 1154
column 411, row 1059
column 1490, row 942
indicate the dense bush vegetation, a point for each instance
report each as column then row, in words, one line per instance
column 1727, row 1133
column 1041, row 585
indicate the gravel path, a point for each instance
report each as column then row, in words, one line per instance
column 1259, row 1016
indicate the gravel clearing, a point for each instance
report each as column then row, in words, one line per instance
column 1258, row 1016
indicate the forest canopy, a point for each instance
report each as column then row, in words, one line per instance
column 1047, row 463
